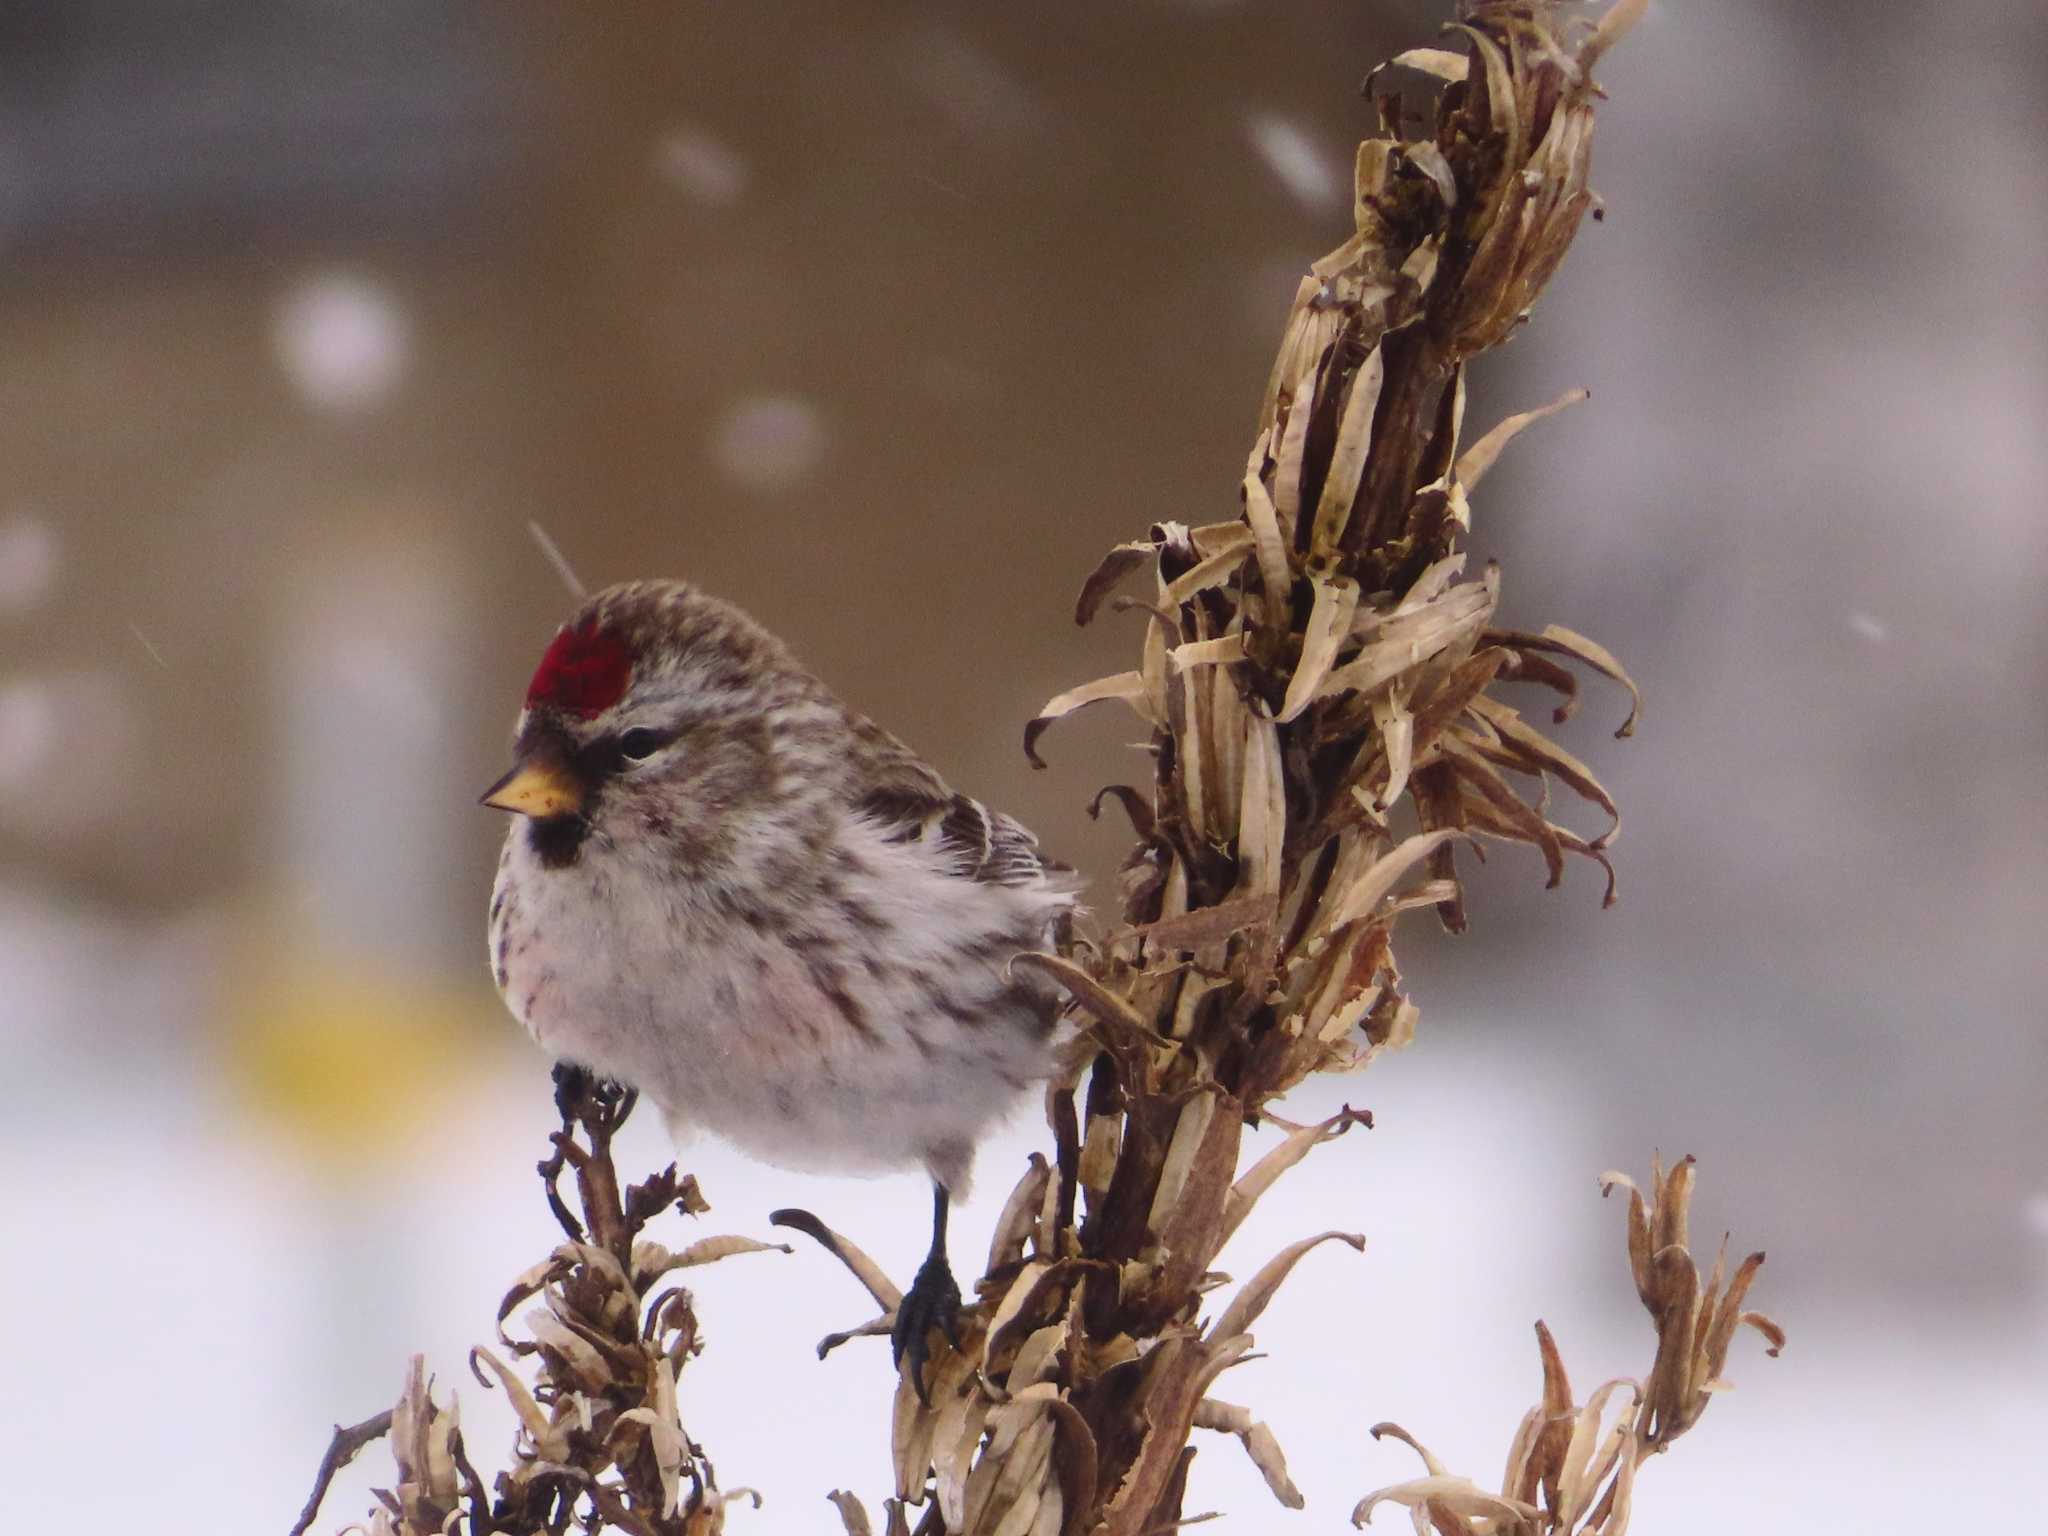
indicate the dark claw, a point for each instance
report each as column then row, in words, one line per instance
column 574, row 1085
column 932, row 1301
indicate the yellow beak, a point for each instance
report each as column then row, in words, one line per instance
column 536, row 788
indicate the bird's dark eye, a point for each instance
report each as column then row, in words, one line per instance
column 640, row 742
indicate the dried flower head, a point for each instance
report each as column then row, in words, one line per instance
column 601, row 1439
column 1572, row 1467
column 1307, row 669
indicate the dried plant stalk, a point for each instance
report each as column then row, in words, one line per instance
column 1572, row 1467
column 1306, row 668
column 601, row 1441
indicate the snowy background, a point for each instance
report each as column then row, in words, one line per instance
column 885, row 320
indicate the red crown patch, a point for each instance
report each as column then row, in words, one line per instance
column 583, row 673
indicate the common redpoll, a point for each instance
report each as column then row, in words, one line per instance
column 731, row 892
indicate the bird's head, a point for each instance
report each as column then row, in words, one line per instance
column 651, row 730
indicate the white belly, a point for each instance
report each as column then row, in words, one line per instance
column 839, row 1064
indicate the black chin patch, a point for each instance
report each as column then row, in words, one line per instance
column 556, row 840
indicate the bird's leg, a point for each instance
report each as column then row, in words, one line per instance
column 932, row 1300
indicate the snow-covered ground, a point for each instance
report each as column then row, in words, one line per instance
column 184, row 1285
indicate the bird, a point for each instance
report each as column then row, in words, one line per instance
column 727, row 890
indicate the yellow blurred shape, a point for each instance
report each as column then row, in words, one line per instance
column 348, row 1061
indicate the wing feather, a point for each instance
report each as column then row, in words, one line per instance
column 909, row 802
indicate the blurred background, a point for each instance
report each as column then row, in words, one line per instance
column 885, row 320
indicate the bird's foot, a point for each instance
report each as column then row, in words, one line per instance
column 933, row 1301
column 577, row 1085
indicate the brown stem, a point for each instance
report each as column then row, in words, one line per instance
column 1415, row 371
column 341, row 1450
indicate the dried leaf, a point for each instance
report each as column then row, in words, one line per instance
column 1212, row 571
column 1395, row 723
column 671, row 1449
column 863, row 1268
column 1460, row 1496
column 1105, row 1005
column 956, row 1436
column 1258, row 1443
column 1262, row 1175
column 1019, row 1216
column 1559, row 641
column 1190, row 1130
column 578, row 1355
column 914, row 1425
column 651, row 1261
column 1262, row 811
column 1358, row 900
column 1435, row 580
column 1390, row 1431
column 1014, row 1475
column 1025, row 1291
column 1774, row 1336
column 1293, row 440
column 549, row 1441
column 1347, row 461
column 1440, row 62
column 1223, row 651
column 1475, row 461
column 1208, row 925
column 1512, row 817
column 1455, row 619
column 1329, row 624
column 1588, row 1460
column 1257, row 1292
column 1534, row 750
column 529, row 1284
column 851, row 1513
column 1269, row 546
column 1130, row 687
column 1116, row 566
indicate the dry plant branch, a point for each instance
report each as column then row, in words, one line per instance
column 1572, row 1468
column 346, row 1445
column 1307, row 669
column 601, row 1441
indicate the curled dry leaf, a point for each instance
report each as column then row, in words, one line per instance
column 1258, row 1292
column 1258, row 1443
column 1225, row 650
column 1452, row 1498
column 1480, row 457
column 1440, row 62
column 852, row 1513
column 651, row 1260
column 544, row 1436
column 1017, row 1223
column 1130, row 687
column 1120, row 563
column 1263, row 1174
column 1556, row 640
column 864, row 1269
column 1212, row 571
